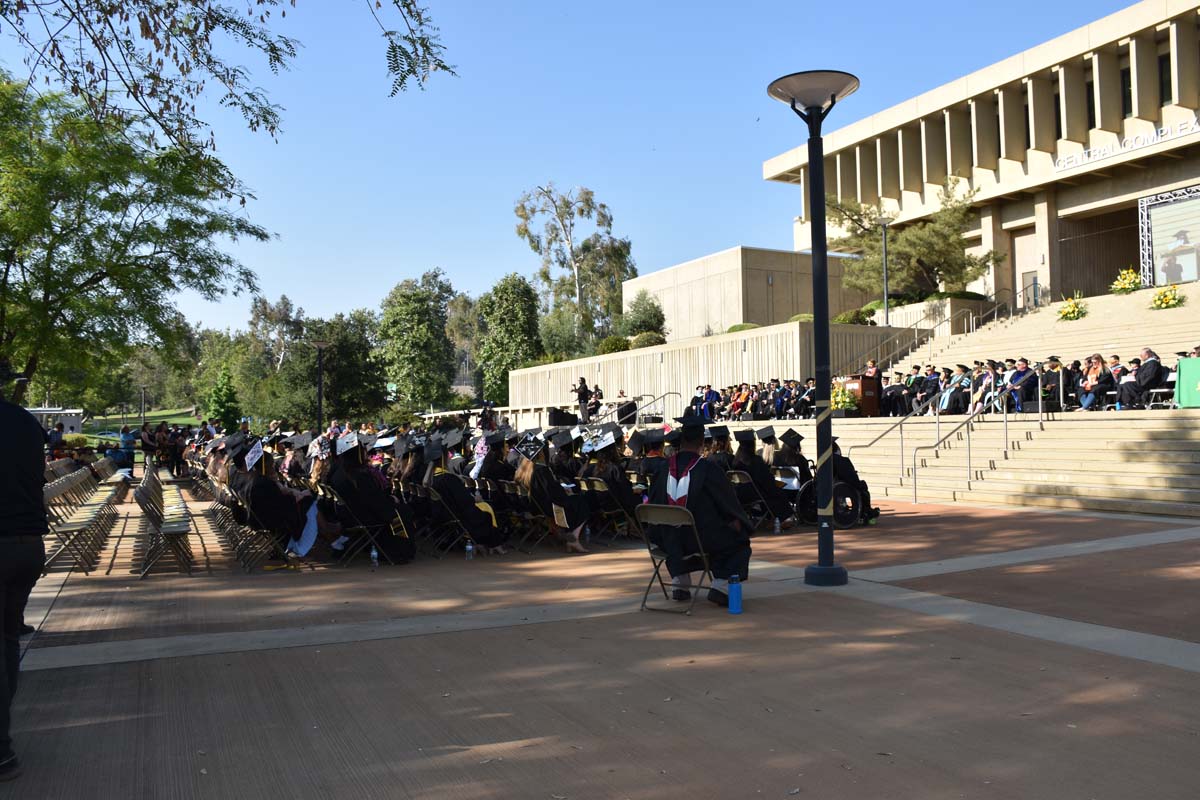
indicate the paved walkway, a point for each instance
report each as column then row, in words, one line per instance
column 976, row 653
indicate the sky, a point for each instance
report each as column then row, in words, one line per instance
column 659, row 106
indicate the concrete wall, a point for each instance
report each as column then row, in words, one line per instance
column 742, row 284
column 778, row 351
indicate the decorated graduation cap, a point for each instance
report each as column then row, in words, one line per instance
column 744, row 436
column 766, row 434
column 214, row 444
column 347, row 442
column 383, row 442
column 530, row 446
column 588, row 446
column 254, row 454
column 604, row 441
column 578, row 432
column 791, row 438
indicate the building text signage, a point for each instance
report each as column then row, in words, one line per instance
column 1129, row 143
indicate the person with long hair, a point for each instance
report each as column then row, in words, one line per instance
column 543, row 486
column 478, row 518
column 719, row 450
column 371, row 503
column 1095, row 382
column 750, row 462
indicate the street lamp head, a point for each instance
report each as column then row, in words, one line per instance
column 320, row 344
column 817, row 88
column 886, row 219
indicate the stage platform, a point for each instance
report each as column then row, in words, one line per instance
column 977, row 652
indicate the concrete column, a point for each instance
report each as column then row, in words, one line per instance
column 1010, row 102
column 887, row 156
column 958, row 142
column 847, row 175
column 909, row 139
column 802, row 184
column 994, row 237
column 1041, row 114
column 1106, row 89
column 868, row 173
column 1185, row 63
column 933, row 150
column 1072, row 102
column 1143, row 69
column 1045, row 220
column 985, row 132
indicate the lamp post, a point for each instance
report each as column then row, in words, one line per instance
column 884, row 221
column 812, row 95
column 143, row 406
column 320, row 344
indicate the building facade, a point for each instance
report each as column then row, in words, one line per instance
column 739, row 285
column 1083, row 153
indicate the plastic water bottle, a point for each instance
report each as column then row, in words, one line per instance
column 777, row 528
column 374, row 556
column 470, row 551
column 587, row 534
column 735, row 594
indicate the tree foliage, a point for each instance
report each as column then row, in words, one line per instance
column 922, row 256
column 612, row 344
column 647, row 339
column 354, row 385
column 644, row 315
column 417, row 353
column 277, row 326
column 154, row 60
column 579, row 270
column 99, row 229
column 222, row 401
column 463, row 328
column 510, row 338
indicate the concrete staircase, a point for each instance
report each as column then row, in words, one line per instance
column 1120, row 324
column 1145, row 462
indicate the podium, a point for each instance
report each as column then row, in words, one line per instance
column 1187, row 383
column 867, row 391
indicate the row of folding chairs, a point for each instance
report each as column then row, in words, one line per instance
column 240, row 532
column 168, row 522
column 80, row 511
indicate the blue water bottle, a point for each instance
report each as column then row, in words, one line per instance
column 470, row 550
column 374, row 557
column 735, row 594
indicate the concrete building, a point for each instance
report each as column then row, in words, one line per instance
column 742, row 284
column 1084, row 153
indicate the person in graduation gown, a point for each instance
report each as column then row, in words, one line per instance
column 496, row 465
column 701, row 486
column 566, row 464
column 610, row 470
column 456, row 462
column 654, row 462
column 478, row 518
column 271, row 507
column 789, row 456
column 844, row 471
column 1150, row 375
column 544, row 487
column 750, row 462
column 371, row 503
column 719, row 450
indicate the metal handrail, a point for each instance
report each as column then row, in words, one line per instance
column 641, row 407
column 968, row 423
column 905, row 348
column 914, row 329
column 918, row 411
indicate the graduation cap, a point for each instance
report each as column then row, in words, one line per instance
column 1183, row 354
column 1055, row 359
column 452, row 439
column 588, row 446
column 530, row 446
column 214, row 444
column 791, row 438
column 898, row 374
column 720, row 431
column 635, row 443
column 388, row 432
column 383, row 442
column 766, row 433
column 979, row 363
column 433, row 450
column 254, row 455
column 690, row 420
column 562, row 440
column 1010, row 361
column 653, row 438
column 512, row 436
column 347, row 442
column 494, row 439
column 319, row 447
column 577, row 432
column 604, row 441
column 673, row 437
column 613, row 428
column 963, row 367
column 744, row 436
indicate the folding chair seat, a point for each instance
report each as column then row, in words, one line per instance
column 752, row 501
column 361, row 535
column 675, row 527
column 608, row 511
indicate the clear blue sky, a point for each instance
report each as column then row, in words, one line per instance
column 660, row 107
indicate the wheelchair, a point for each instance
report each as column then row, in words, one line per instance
column 847, row 504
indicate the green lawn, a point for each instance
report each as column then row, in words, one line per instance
column 171, row 416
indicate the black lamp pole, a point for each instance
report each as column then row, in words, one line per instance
column 320, row 345
column 812, row 95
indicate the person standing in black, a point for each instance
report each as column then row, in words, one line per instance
column 584, row 395
column 22, row 551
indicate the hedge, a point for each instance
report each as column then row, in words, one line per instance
column 647, row 339
column 612, row 344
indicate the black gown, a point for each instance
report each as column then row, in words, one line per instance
column 1150, row 375
column 273, row 507
column 462, row 503
column 374, row 507
column 722, row 459
column 764, row 481
column 546, row 490
column 720, row 521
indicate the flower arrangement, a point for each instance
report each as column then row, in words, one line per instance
column 1168, row 298
column 1073, row 309
column 1128, row 280
column 842, row 399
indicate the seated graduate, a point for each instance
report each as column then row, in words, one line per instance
column 748, row 461
column 891, row 401
column 456, row 462
column 719, row 450
column 295, row 460
column 701, row 486
column 609, row 467
column 289, row 516
column 653, row 461
column 633, row 453
column 546, row 491
column 844, row 471
column 477, row 517
column 511, row 437
column 369, row 501
column 495, row 464
column 789, row 456
column 1149, row 375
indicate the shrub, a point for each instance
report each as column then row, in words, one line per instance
column 742, row 326
column 612, row 344
column 644, row 315
column 73, row 441
column 958, row 295
column 856, row 316
column 874, row 305
column 1128, row 280
column 647, row 339
column 802, row 318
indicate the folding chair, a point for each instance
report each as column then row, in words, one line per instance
column 612, row 516
column 365, row 533
column 752, row 501
column 675, row 522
